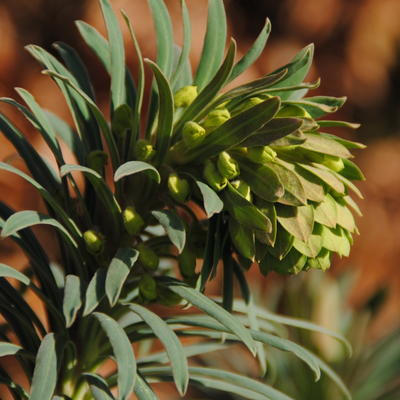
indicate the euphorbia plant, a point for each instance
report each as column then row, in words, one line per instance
column 210, row 181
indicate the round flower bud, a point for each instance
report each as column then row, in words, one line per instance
column 148, row 287
column 215, row 119
column 97, row 160
column 144, row 150
column 179, row 188
column 243, row 188
column 147, row 257
column 334, row 163
column 261, row 154
column 213, row 177
column 133, row 222
column 193, row 134
column 249, row 103
column 94, row 241
column 185, row 96
column 227, row 166
column 187, row 262
column 292, row 110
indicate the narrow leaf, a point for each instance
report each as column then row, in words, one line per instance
column 9, row 272
column 72, row 301
column 212, row 203
column 118, row 271
column 95, row 291
column 44, row 378
column 123, row 352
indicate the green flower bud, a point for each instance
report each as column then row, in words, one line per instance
column 249, row 103
column 179, row 188
column 147, row 257
column 187, row 262
column 144, row 150
column 133, row 222
column 215, row 119
column 185, row 96
column 227, row 166
column 193, row 134
column 97, row 160
column 292, row 110
column 94, row 241
column 334, row 163
column 148, row 287
column 261, row 154
column 243, row 188
column 213, row 177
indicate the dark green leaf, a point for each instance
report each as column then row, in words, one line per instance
column 165, row 113
column 319, row 106
column 242, row 238
column 298, row 221
column 263, row 181
column 174, row 227
column 244, row 212
column 273, row 130
column 351, row 171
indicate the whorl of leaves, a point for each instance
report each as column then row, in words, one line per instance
column 275, row 191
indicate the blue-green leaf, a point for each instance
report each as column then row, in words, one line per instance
column 212, row 203
column 117, row 55
column 72, row 301
column 254, row 52
column 172, row 345
column 143, row 390
column 174, row 227
column 9, row 272
column 133, row 167
column 118, row 271
column 98, row 387
column 123, row 352
column 95, row 291
column 214, row 44
column 28, row 218
column 9, row 349
column 45, row 373
column 202, row 302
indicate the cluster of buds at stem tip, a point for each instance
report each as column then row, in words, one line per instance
column 193, row 134
column 179, row 188
column 147, row 257
column 216, row 118
column 227, row 166
column 185, row 96
column 97, row 160
column 213, row 176
column 144, row 150
column 94, row 241
column 293, row 110
column 133, row 222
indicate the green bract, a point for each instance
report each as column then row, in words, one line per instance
column 275, row 190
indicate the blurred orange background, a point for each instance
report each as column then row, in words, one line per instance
column 357, row 54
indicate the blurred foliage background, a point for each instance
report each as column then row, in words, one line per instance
column 357, row 54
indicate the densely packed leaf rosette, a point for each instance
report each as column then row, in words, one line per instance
column 206, row 178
